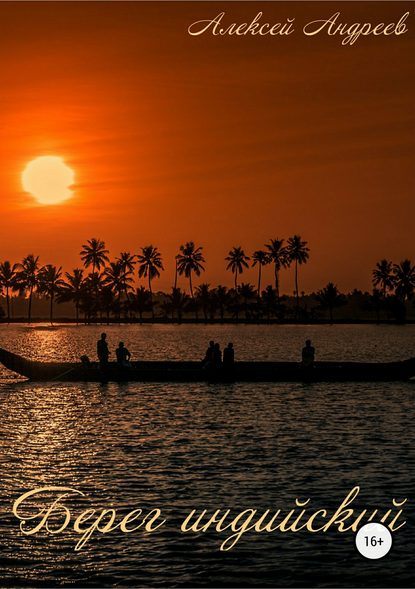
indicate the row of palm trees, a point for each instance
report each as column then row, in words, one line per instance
column 393, row 285
column 397, row 279
column 109, row 286
column 108, row 278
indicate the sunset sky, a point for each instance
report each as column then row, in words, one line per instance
column 224, row 141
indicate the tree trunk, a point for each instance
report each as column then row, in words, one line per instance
column 296, row 289
column 30, row 306
column 277, row 285
column 8, row 304
column 175, row 277
column 151, row 296
column 259, row 281
column 191, row 294
column 190, row 285
column 51, row 309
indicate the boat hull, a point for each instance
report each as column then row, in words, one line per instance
column 165, row 371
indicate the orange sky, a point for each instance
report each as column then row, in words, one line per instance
column 224, row 141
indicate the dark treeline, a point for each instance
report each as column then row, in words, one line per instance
column 108, row 291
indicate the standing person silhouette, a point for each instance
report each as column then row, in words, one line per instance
column 103, row 351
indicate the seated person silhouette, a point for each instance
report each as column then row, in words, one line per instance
column 217, row 356
column 308, row 355
column 208, row 359
column 228, row 356
column 123, row 356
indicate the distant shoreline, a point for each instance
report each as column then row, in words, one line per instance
column 202, row 322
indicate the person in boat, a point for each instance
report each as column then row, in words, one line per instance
column 208, row 359
column 102, row 350
column 123, row 356
column 217, row 356
column 308, row 355
column 229, row 356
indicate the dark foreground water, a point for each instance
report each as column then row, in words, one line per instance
column 181, row 447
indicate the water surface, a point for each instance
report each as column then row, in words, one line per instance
column 179, row 447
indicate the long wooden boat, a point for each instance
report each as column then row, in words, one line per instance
column 166, row 371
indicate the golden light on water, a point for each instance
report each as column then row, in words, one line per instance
column 48, row 179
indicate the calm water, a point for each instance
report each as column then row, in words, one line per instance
column 179, row 447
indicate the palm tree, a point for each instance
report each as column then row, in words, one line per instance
column 383, row 276
column 49, row 283
column 116, row 278
column 8, row 273
column 88, row 303
column 269, row 298
column 150, row 264
column 278, row 256
column 237, row 261
column 176, row 301
column 297, row 252
column 94, row 254
column 107, row 302
column 73, row 289
column 247, row 293
column 127, row 261
column 330, row 297
column 404, row 279
column 189, row 260
column 27, row 278
column 262, row 259
column 141, row 301
column 374, row 302
column 176, row 261
column 221, row 296
column 204, row 296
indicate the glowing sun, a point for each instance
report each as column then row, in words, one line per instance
column 48, row 179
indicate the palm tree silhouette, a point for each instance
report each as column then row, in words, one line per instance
column 237, row 261
column 141, row 301
column 404, row 279
column 73, row 289
column 27, row 278
column 330, row 297
column 94, row 254
column 8, row 273
column 269, row 298
column 297, row 252
column 189, row 260
column 247, row 293
column 119, row 280
column 383, row 276
column 176, row 301
column 262, row 259
column 49, row 283
column 204, row 296
column 176, row 261
column 221, row 295
column 278, row 256
column 107, row 302
column 150, row 264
